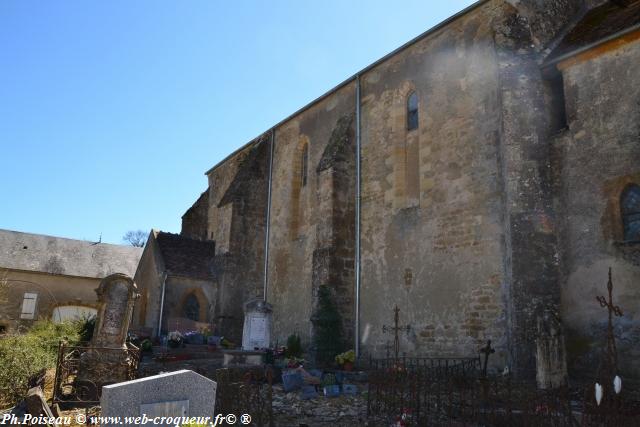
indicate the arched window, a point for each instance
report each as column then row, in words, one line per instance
column 630, row 210
column 191, row 308
column 305, row 164
column 412, row 111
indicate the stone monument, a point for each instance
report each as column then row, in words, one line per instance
column 551, row 361
column 116, row 296
column 172, row 394
column 108, row 359
column 256, row 333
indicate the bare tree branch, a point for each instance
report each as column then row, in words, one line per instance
column 136, row 238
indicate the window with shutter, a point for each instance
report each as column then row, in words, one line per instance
column 29, row 305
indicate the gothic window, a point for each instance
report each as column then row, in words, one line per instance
column 191, row 308
column 412, row 111
column 630, row 210
column 305, row 164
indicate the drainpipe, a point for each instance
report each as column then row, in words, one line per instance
column 164, row 281
column 268, row 228
column 357, row 243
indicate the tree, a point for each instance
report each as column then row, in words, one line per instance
column 136, row 238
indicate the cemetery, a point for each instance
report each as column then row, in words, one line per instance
column 449, row 237
column 198, row 377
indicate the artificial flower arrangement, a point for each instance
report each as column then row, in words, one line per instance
column 346, row 359
column 174, row 339
column 294, row 362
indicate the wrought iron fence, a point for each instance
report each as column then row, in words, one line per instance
column 454, row 392
column 412, row 386
column 433, row 366
column 246, row 391
column 81, row 371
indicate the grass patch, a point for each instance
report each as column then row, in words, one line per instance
column 22, row 356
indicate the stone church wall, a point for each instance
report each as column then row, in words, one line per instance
column 312, row 220
column 432, row 208
column 236, row 221
column 597, row 156
column 474, row 224
column 148, row 278
column 194, row 221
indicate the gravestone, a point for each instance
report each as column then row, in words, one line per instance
column 551, row 361
column 173, row 394
column 116, row 296
column 256, row 333
column 108, row 359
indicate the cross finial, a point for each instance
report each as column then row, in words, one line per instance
column 395, row 329
column 611, row 355
column 487, row 350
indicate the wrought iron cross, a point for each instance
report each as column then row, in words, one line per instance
column 612, row 353
column 487, row 350
column 395, row 329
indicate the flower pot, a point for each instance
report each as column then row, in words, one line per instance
column 347, row 366
column 174, row 343
column 291, row 380
column 331, row 390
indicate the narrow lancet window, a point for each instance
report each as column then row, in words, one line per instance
column 305, row 164
column 412, row 111
column 191, row 309
column 630, row 210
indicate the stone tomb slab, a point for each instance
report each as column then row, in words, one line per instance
column 181, row 393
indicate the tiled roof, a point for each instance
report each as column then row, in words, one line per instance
column 57, row 255
column 186, row 257
column 597, row 24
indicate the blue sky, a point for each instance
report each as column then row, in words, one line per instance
column 111, row 111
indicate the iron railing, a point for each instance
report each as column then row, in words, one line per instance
column 82, row 370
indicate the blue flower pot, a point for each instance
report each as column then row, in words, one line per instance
column 331, row 390
column 291, row 381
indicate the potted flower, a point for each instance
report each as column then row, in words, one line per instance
column 294, row 362
column 346, row 359
column 330, row 385
column 174, row 339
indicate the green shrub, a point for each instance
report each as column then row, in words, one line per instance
column 294, row 347
column 22, row 356
column 328, row 328
column 85, row 328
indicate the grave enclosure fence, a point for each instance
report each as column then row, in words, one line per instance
column 454, row 392
column 246, row 391
column 82, row 370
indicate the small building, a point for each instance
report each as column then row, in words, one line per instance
column 177, row 285
column 46, row 277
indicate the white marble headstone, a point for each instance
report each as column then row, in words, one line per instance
column 256, row 333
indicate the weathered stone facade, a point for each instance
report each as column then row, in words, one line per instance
column 502, row 204
column 598, row 155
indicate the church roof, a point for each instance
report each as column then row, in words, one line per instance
column 597, row 25
column 186, row 257
column 69, row 257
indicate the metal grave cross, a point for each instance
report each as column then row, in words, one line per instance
column 612, row 353
column 395, row 329
column 487, row 350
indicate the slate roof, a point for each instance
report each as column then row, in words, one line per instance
column 57, row 255
column 186, row 257
column 597, row 24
